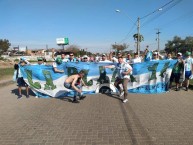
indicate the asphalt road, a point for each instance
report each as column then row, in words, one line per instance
column 159, row 119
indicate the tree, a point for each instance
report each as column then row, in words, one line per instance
column 4, row 45
column 120, row 47
column 141, row 38
column 179, row 45
column 73, row 48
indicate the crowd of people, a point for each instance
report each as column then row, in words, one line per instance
column 123, row 66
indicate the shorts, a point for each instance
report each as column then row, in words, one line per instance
column 21, row 82
column 188, row 74
column 175, row 76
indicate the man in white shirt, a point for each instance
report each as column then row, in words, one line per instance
column 188, row 69
column 136, row 58
column 123, row 70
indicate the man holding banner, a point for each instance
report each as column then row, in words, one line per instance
column 123, row 71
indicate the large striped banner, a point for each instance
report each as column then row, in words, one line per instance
column 147, row 77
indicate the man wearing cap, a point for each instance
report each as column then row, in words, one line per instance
column 177, row 72
column 85, row 58
column 156, row 56
column 104, row 58
column 188, row 69
column 56, row 64
column 40, row 61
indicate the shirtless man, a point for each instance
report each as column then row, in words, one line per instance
column 75, row 82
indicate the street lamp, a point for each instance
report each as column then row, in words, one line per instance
column 138, row 27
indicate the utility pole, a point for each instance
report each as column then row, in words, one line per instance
column 138, row 36
column 158, row 32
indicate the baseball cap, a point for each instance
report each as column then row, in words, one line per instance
column 103, row 54
column 40, row 59
column 58, row 60
column 85, row 56
column 188, row 53
column 155, row 52
column 179, row 53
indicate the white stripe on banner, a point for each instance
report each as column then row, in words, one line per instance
column 147, row 77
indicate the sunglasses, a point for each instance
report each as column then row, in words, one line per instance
column 85, row 58
column 71, row 55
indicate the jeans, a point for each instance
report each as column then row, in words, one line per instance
column 68, row 86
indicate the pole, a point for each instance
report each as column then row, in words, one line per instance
column 158, row 48
column 138, row 36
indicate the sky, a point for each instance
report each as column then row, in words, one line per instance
column 94, row 24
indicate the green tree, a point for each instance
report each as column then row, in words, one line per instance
column 120, row 47
column 141, row 38
column 179, row 45
column 4, row 45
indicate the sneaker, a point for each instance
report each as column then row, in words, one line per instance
column 82, row 97
column 75, row 101
column 124, row 101
column 36, row 96
column 186, row 89
column 27, row 96
column 19, row 96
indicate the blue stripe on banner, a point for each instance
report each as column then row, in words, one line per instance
column 150, row 89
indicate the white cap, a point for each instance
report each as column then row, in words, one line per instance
column 85, row 56
column 155, row 52
column 179, row 53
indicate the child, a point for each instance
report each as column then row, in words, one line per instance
column 20, row 81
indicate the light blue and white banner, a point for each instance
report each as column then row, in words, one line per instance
column 148, row 77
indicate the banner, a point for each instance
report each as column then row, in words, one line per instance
column 147, row 77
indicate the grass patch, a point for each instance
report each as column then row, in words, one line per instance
column 191, row 82
column 4, row 72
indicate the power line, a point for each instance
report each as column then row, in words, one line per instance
column 164, row 10
column 157, row 9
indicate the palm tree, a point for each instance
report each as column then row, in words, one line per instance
column 141, row 38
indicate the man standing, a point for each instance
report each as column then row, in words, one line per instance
column 123, row 70
column 136, row 58
column 75, row 82
column 104, row 58
column 188, row 69
column 63, row 57
column 177, row 72
column 72, row 59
